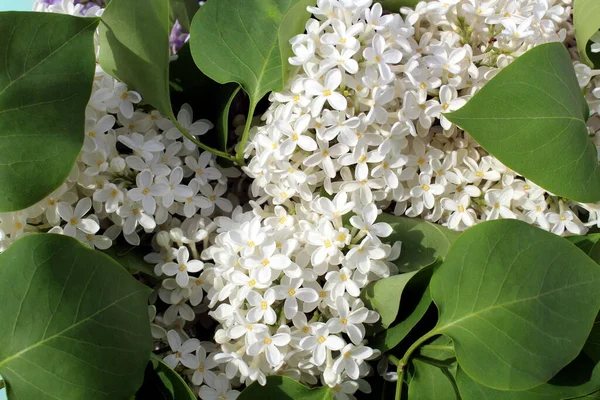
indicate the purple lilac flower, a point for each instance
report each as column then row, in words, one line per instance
column 177, row 38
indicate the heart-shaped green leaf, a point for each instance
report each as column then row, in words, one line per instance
column 422, row 242
column 134, row 48
column 390, row 337
column 74, row 322
column 431, row 382
column 532, row 117
column 162, row 383
column 284, row 388
column 517, row 301
column 184, row 11
column 46, row 77
column 187, row 81
column 246, row 41
column 394, row 5
column 590, row 244
column 586, row 19
column 384, row 296
column 579, row 378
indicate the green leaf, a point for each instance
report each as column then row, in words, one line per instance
column 46, row 80
column 592, row 344
column 430, row 382
column 586, row 19
column 422, row 242
column 134, row 48
column 384, row 295
column 579, row 378
column 74, row 322
column 532, row 117
column 163, row 383
column 389, row 338
column 131, row 258
column 589, row 244
column 222, row 124
column 183, row 11
column 517, row 301
column 284, row 388
column 394, row 5
column 187, row 81
column 440, row 349
column 246, row 41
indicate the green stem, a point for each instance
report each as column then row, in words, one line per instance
column 185, row 133
column 239, row 157
column 401, row 364
column 400, row 382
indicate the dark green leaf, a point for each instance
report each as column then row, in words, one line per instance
column 208, row 99
column 162, row 383
column 541, row 131
column 430, row 382
column 246, row 41
column 592, row 344
column 284, row 388
column 394, row 5
column 517, row 301
column 579, row 378
column 183, row 11
column 74, row 322
column 389, row 338
column 384, row 295
column 134, row 48
column 422, row 242
column 131, row 258
column 589, row 244
column 586, row 19
column 46, row 76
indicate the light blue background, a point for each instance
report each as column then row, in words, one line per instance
column 16, row 5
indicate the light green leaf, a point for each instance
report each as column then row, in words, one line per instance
column 390, row 337
column 586, row 19
column 222, row 125
column 440, row 349
column 284, row 388
column 246, row 41
column 517, row 301
column 163, row 383
column 579, row 378
column 422, row 242
column 74, row 322
column 532, row 117
column 46, row 80
column 134, row 48
column 184, row 11
column 430, row 382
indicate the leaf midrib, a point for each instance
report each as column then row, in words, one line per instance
column 440, row 329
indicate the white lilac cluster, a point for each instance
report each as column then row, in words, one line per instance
column 365, row 115
column 362, row 121
column 284, row 288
